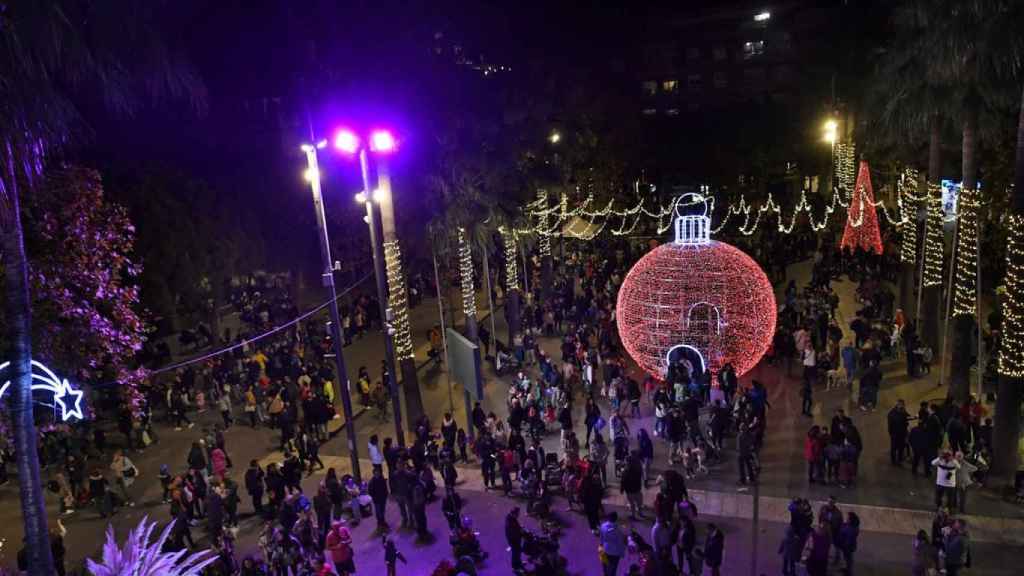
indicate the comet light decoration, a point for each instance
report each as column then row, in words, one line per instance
column 65, row 397
column 697, row 297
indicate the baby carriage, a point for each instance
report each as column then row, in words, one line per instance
column 552, row 470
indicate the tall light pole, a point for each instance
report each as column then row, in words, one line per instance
column 391, row 284
column 382, row 141
column 831, row 134
column 377, row 247
column 342, row 383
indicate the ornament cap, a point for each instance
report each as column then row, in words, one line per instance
column 692, row 229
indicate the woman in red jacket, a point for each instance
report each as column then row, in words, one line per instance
column 814, row 448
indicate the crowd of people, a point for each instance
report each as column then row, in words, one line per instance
column 283, row 382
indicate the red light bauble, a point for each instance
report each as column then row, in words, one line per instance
column 704, row 295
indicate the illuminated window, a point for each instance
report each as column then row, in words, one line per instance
column 751, row 49
column 649, row 111
column 692, row 53
column 672, row 112
column 693, row 82
column 719, row 53
column 721, row 79
column 670, row 86
column 649, row 88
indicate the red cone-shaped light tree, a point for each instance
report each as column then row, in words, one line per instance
column 861, row 217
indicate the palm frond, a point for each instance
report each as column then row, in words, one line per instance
column 139, row 557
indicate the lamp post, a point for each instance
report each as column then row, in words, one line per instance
column 342, row 384
column 831, row 134
column 377, row 248
column 390, row 287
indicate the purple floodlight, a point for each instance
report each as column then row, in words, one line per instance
column 382, row 141
column 346, row 141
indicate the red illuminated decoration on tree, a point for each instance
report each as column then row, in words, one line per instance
column 696, row 296
column 861, row 219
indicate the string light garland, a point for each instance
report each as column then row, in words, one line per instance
column 866, row 235
column 1011, row 349
column 908, row 202
column 696, row 297
column 965, row 289
column 466, row 276
column 508, row 236
column 397, row 301
column 933, row 246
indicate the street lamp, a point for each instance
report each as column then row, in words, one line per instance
column 381, row 142
column 313, row 177
column 555, row 137
column 831, row 129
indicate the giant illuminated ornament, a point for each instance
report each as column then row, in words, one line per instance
column 696, row 298
column 67, row 398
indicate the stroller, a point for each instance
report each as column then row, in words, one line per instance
column 621, row 454
column 552, row 471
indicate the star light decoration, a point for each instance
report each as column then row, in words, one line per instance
column 67, row 398
column 698, row 294
column 862, row 221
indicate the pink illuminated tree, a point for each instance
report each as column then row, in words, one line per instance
column 861, row 218
column 86, row 315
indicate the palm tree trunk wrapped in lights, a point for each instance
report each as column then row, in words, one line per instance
column 468, row 290
column 908, row 202
column 509, row 239
column 966, row 286
column 398, row 300
column 1006, row 436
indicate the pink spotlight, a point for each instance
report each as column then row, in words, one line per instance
column 382, row 141
column 346, row 141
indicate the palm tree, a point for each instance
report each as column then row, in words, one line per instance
column 140, row 557
column 969, row 53
column 913, row 103
column 54, row 52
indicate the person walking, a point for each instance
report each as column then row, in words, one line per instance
column 392, row 556
column 613, row 542
column 125, row 473
column 514, row 537
column 378, row 490
column 646, row 453
column 714, row 548
column 631, row 484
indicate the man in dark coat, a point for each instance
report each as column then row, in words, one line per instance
column 254, row 486
column 714, row 547
column 378, row 490
column 898, row 421
column 514, row 537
